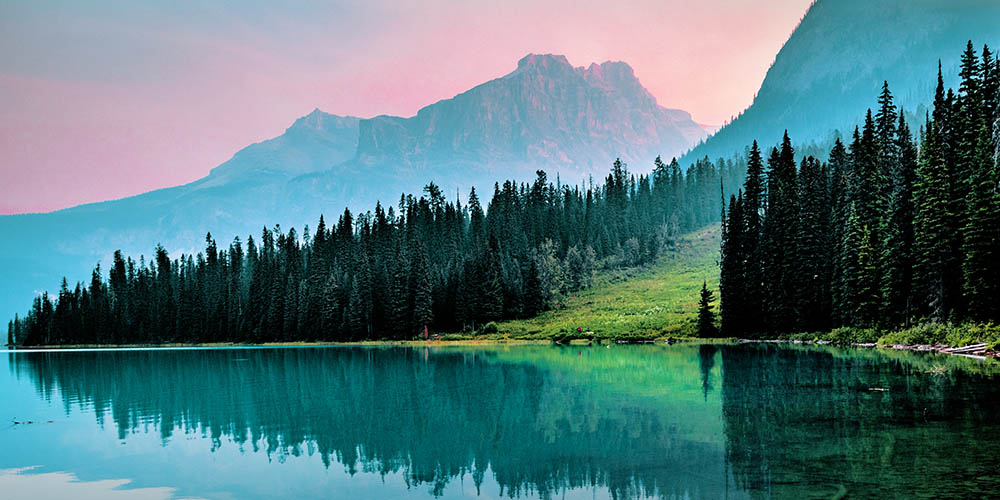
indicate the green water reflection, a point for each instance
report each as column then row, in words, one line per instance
column 683, row 421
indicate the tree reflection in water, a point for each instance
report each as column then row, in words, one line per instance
column 709, row 421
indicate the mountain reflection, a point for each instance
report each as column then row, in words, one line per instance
column 682, row 421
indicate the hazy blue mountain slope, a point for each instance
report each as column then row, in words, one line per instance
column 832, row 67
column 236, row 198
column 545, row 114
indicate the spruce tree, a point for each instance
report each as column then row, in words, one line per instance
column 706, row 317
column 780, row 227
column 981, row 233
column 865, row 194
column 753, row 210
column 733, row 275
column 489, row 285
column 839, row 210
column 813, row 244
column 898, row 252
column 331, row 311
column 534, row 299
column 886, row 144
column 356, row 319
column 850, row 267
column 399, row 310
column 932, row 229
column 422, row 290
column 867, row 292
column 948, row 141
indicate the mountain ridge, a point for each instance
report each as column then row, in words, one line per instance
column 516, row 106
column 324, row 162
column 814, row 92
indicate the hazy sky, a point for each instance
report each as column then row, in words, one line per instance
column 105, row 99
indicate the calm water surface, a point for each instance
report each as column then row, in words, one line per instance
column 682, row 421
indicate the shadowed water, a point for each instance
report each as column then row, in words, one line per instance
column 683, row 421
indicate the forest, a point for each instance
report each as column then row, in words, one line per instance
column 896, row 228
column 427, row 264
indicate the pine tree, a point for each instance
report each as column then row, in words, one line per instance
column 733, row 293
column 898, row 258
column 400, row 313
column 706, row 317
column 331, row 309
column 886, row 144
column 948, row 141
column 813, row 272
column 578, row 271
column 780, row 227
column 356, row 315
column 534, row 299
column 850, row 268
column 932, row 229
column 839, row 211
column 753, row 257
column 868, row 300
column 981, row 233
column 421, row 289
column 362, row 308
column 490, row 298
column 291, row 311
column 865, row 194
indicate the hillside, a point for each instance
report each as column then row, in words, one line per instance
column 657, row 301
column 828, row 72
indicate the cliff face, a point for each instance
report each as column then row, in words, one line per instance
column 545, row 112
column 832, row 67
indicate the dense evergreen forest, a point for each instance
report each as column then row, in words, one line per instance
column 891, row 230
column 387, row 274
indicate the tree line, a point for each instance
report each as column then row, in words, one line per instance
column 389, row 273
column 889, row 231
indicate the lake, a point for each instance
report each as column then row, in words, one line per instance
column 535, row 421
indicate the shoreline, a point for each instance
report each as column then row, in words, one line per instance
column 974, row 351
column 240, row 345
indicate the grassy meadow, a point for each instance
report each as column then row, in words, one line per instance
column 661, row 301
column 650, row 302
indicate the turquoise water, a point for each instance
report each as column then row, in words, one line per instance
column 682, row 421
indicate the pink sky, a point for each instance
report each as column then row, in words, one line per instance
column 101, row 100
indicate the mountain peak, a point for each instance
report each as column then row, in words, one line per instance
column 610, row 66
column 318, row 120
column 613, row 75
column 543, row 61
column 546, row 113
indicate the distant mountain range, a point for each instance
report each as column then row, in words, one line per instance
column 546, row 114
column 832, row 67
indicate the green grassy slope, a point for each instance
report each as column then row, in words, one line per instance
column 661, row 301
column 656, row 301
